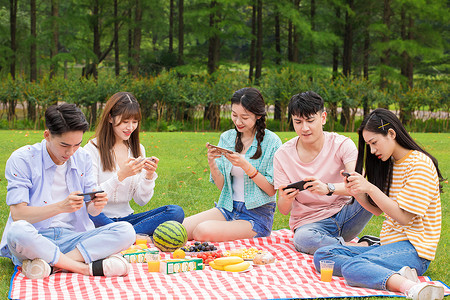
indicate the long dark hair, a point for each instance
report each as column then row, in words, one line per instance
column 252, row 100
column 125, row 106
column 379, row 172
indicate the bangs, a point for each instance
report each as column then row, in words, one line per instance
column 129, row 111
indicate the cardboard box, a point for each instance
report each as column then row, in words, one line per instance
column 172, row 266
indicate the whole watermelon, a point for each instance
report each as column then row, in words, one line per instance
column 169, row 236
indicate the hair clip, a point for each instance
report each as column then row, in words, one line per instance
column 382, row 125
column 129, row 98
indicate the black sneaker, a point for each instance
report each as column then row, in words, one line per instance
column 370, row 239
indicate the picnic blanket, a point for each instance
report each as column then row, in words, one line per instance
column 292, row 276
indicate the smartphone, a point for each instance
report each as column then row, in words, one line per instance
column 144, row 158
column 220, row 149
column 90, row 193
column 299, row 185
column 346, row 174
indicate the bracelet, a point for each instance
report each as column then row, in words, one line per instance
column 253, row 176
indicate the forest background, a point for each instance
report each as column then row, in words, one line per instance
column 184, row 58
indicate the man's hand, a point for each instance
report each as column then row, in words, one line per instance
column 72, row 203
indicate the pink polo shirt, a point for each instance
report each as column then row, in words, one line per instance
column 337, row 151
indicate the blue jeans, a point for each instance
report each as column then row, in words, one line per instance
column 25, row 242
column 145, row 222
column 342, row 227
column 371, row 267
column 260, row 217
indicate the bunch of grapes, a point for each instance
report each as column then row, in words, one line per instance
column 199, row 247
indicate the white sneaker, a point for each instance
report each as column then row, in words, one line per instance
column 36, row 268
column 115, row 265
column 408, row 273
column 425, row 291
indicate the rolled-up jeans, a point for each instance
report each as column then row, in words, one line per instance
column 26, row 242
column 338, row 229
column 371, row 267
column 145, row 222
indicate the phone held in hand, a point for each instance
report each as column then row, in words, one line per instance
column 220, row 149
column 144, row 158
column 299, row 185
column 92, row 194
column 346, row 174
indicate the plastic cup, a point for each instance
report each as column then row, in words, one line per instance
column 142, row 238
column 326, row 270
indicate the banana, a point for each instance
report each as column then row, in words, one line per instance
column 229, row 260
column 237, row 267
column 215, row 266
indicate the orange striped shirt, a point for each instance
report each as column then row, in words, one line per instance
column 415, row 187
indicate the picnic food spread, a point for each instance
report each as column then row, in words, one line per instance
column 195, row 256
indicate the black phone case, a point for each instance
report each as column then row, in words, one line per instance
column 299, row 185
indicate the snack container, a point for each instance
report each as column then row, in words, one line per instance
column 172, row 266
column 139, row 256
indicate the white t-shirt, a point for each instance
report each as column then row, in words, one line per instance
column 135, row 187
column 60, row 192
column 237, row 175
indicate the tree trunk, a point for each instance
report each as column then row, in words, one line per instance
column 290, row 38
column 385, row 58
column 212, row 110
column 366, row 53
column 116, row 40
column 277, row 38
column 55, row 38
column 348, row 42
column 347, row 60
column 409, row 63
column 137, row 34
column 31, row 113
column 130, row 41
column 171, row 26
column 253, row 42
column 336, row 48
column 296, row 41
column 214, row 41
column 13, row 24
column 277, row 112
column 313, row 28
column 13, row 29
column 259, row 38
column 180, row 32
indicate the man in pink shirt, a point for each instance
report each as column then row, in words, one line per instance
column 322, row 214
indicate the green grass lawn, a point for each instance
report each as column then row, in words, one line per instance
column 183, row 180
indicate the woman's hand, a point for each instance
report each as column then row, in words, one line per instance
column 212, row 154
column 356, row 184
column 285, row 198
column 150, row 166
column 132, row 166
column 238, row 160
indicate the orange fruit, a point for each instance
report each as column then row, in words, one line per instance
column 179, row 254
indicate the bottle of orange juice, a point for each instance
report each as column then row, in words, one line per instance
column 153, row 259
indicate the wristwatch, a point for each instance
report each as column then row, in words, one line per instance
column 331, row 189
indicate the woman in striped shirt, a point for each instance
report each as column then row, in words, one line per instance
column 403, row 183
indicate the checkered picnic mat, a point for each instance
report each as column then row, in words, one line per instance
column 292, row 276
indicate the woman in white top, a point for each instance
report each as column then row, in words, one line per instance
column 123, row 171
